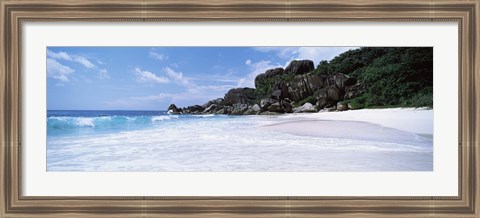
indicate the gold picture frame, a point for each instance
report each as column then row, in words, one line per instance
column 14, row 12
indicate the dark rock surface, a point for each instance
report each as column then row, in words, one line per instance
column 280, row 88
column 210, row 109
column 299, row 67
column 218, row 102
column 306, row 108
column 340, row 80
column 173, row 109
column 260, row 78
column 341, row 106
column 302, row 86
column 194, row 109
column 239, row 96
column 328, row 96
column 239, row 109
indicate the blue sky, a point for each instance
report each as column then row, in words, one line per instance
column 151, row 78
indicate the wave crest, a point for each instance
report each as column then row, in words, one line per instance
column 103, row 122
column 163, row 117
column 83, row 121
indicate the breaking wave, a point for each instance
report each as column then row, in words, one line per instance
column 103, row 121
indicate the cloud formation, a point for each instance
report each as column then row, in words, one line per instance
column 67, row 57
column 58, row 71
column 176, row 76
column 255, row 69
column 149, row 77
column 316, row 54
column 157, row 56
column 85, row 62
column 191, row 90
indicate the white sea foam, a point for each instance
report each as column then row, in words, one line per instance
column 163, row 117
column 58, row 118
column 105, row 118
column 239, row 144
column 131, row 118
column 85, row 121
column 205, row 115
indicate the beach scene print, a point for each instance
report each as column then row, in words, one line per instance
column 239, row 109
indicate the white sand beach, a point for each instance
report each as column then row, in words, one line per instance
column 413, row 120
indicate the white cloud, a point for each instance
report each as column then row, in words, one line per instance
column 58, row 71
column 64, row 56
column 255, row 69
column 195, row 89
column 192, row 93
column 158, row 56
column 176, row 76
column 83, row 61
column 195, row 95
column 59, row 55
column 103, row 74
column 149, row 77
column 67, row 57
column 316, row 54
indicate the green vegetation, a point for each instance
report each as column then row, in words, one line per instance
column 357, row 103
column 394, row 76
column 265, row 87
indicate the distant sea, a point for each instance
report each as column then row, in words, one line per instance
column 93, row 122
column 155, row 141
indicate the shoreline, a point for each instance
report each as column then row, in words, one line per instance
column 241, row 144
column 414, row 120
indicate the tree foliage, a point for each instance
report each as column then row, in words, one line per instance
column 393, row 76
column 400, row 76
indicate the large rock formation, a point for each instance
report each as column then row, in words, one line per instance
column 306, row 108
column 173, row 109
column 302, row 86
column 239, row 109
column 260, row 78
column 353, row 91
column 328, row 96
column 280, row 89
column 255, row 108
column 299, row 67
column 210, row 109
column 239, row 96
column 280, row 106
column 342, row 106
column 278, row 100
column 194, row 109
column 218, row 102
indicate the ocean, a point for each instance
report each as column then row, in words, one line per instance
column 155, row 141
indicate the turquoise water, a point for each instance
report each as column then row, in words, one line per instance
column 91, row 122
column 154, row 141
